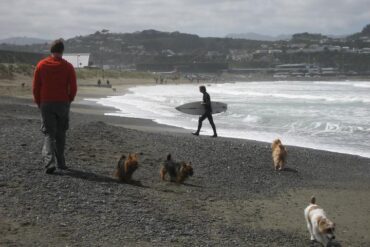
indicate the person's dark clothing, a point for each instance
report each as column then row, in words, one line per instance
column 55, row 122
column 210, row 119
column 208, row 114
column 207, row 102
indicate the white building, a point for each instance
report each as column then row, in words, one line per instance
column 78, row 60
column 365, row 51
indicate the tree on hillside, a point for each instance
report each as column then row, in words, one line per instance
column 301, row 37
column 366, row 30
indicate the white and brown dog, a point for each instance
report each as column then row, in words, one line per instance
column 320, row 227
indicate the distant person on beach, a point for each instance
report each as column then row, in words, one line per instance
column 54, row 88
column 208, row 114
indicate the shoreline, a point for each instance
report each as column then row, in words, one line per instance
column 152, row 124
column 89, row 89
column 86, row 104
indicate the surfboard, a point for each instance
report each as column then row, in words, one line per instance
column 196, row 108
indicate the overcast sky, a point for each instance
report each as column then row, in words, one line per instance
column 68, row 18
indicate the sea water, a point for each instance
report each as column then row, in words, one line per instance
column 333, row 116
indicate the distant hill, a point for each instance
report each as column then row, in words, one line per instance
column 20, row 57
column 365, row 33
column 304, row 37
column 148, row 46
column 256, row 36
column 23, row 41
column 164, row 50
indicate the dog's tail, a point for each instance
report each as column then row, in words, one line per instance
column 169, row 157
column 313, row 200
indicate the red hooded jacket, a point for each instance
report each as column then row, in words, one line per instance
column 54, row 81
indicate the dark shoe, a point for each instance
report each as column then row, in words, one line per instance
column 50, row 170
column 214, row 135
column 195, row 133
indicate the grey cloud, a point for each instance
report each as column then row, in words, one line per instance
column 67, row 18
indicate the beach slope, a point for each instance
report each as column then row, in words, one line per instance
column 235, row 198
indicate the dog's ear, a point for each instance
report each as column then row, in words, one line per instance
column 169, row 157
column 129, row 156
column 322, row 224
column 122, row 158
column 136, row 156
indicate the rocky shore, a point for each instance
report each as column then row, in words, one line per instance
column 235, row 198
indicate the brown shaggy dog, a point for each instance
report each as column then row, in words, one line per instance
column 125, row 168
column 279, row 154
column 178, row 171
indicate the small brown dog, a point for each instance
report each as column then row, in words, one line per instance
column 178, row 171
column 279, row 154
column 126, row 167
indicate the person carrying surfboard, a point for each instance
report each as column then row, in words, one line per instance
column 208, row 114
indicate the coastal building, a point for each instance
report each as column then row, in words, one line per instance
column 333, row 48
column 365, row 51
column 261, row 52
column 275, row 51
column 301, row 67
column 297, row 70
column 78, row 60
column 168, row 53
column 329, row 71
column 239, row 55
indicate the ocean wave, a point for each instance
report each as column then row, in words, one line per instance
column 358, row 84
column 251, row 119
column 341, row 126
column 339, row 83
column 362, row 85
column 342, row 99
column 327, row 127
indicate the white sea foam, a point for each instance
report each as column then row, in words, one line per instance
column 251, row 119
column 332, row 116
column 362, row 85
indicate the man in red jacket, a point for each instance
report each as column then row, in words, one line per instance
column 54, row 88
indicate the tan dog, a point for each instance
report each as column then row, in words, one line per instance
column 126, row 167
column 279, row 154
column 178, row 171
column 320, row 227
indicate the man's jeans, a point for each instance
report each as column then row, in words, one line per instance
column 55, row 122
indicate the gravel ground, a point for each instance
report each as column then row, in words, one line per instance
column 234, row 198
